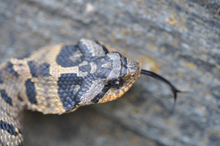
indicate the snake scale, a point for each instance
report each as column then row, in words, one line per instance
column 59, row 79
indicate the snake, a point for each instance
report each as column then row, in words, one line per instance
column 61, row 78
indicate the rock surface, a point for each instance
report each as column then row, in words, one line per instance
column 179, row 39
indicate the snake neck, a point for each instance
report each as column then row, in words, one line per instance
column 10, row 105
column 11, row 85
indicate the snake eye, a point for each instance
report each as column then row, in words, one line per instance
column 116, row 83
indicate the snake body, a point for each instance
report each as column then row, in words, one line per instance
column 59, row 79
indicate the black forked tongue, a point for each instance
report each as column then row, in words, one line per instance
column 156, row 76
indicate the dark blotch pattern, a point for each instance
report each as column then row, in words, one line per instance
column 85, row 68
column 30, row 91
column 88, row 56
column 103, row 47
column 101, row 94
column 8, row 127
column 39, row 69
column 86, row 51
column 11, row 70
column 102, row 72
column 85, row 86
column 5, row 96
column 123, row 70
column 64, row 60
column 66, row 86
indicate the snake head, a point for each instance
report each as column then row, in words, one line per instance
column 118, row 74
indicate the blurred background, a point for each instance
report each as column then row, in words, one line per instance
column 179, row 39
